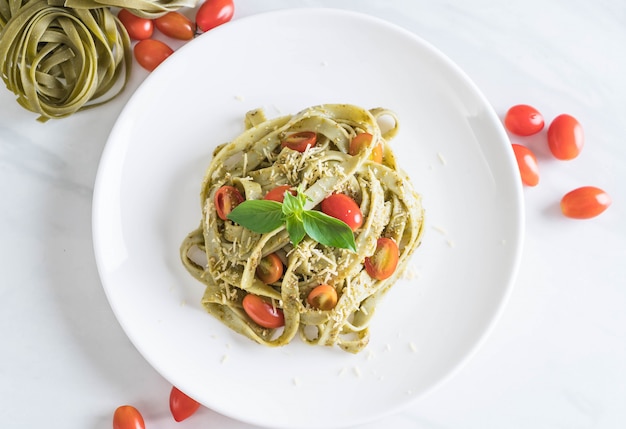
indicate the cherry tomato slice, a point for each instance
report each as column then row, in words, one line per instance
column 150, row 53
column 213, row 13
column 262, row 312
column 175, row 25
column 523, row 120
column 278, row 193
column 137, row 28
column 527, row 164
column 565, row 137
column 361, row 141
column 128, row 417
column 181, row 405
column 585, row 202
column 344, row 208
column 322, row 297
column 226, row 199
column 270, row 269
column 382, row 264
column 300, row 141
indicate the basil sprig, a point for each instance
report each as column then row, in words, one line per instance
column 263, row 216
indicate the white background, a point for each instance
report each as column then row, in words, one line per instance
column 556, row 358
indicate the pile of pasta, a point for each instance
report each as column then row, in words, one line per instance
column 223, row 255
column 62, row 56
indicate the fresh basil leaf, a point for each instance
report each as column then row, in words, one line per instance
column 295, row 229
column 328, row 230
column 292, row 205
column 258, row 215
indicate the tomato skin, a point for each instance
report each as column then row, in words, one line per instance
column 181, row 405
column 565, row 137
column 150, row 53
column 137, row 28
column 176, row 25
column 128, row 417
column 300, row 141
column 361, row 141
column 344, row 208
column 226, row 199
column 213, row 13
column 262, row 312
column 322, row 297
column 523, row 120
column 270, row 269
column 527, row 164
column 278, row 193
column 383, row 263
column 585, row 202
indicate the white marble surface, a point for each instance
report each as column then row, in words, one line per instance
column 557, row 357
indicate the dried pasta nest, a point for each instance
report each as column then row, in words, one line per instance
column 62, row 56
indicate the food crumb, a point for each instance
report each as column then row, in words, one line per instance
column 440, row 229
column 442, row 159
column 342, row 371
column 296, row 381
column 357, row 371
column 413, row 347
column 225, row 359
column 370, row 354
column 183, row 303
column 451, row 243
column 239, row 98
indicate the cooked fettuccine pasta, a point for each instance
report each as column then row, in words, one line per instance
column 228, row 257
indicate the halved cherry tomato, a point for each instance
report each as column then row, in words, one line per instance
column 322, row 297
column 565, row 137
column 181, row 405
column 150, row 53
column 128, row 417
column 262, row 312
column 523, row 120
column 137, row 28
column 226, row 199
column 175, row 25
column 527, row 164
column 344, row 208
column 213, row 13
column 300, row 141
column 362, row 140
column 585, row 202
column 382, row 264
column 278, row 193
column 270, row 268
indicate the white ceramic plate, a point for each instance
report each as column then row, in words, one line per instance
column 450, row 142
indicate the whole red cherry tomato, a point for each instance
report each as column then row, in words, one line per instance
column 565, row 137
column 270, row 268
column 382, row 264
column 523, row 120
column 300, row 141
column 344, row 208
column 213, row 13
column 226, row 199
column 527, row 164
column 361, row 141
column 181, row 405
column 150, row 53
column 175, row 25
column 585, row 202
column 128, row 417
column 137, row 28
column 278, row 193
column 262, row 312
